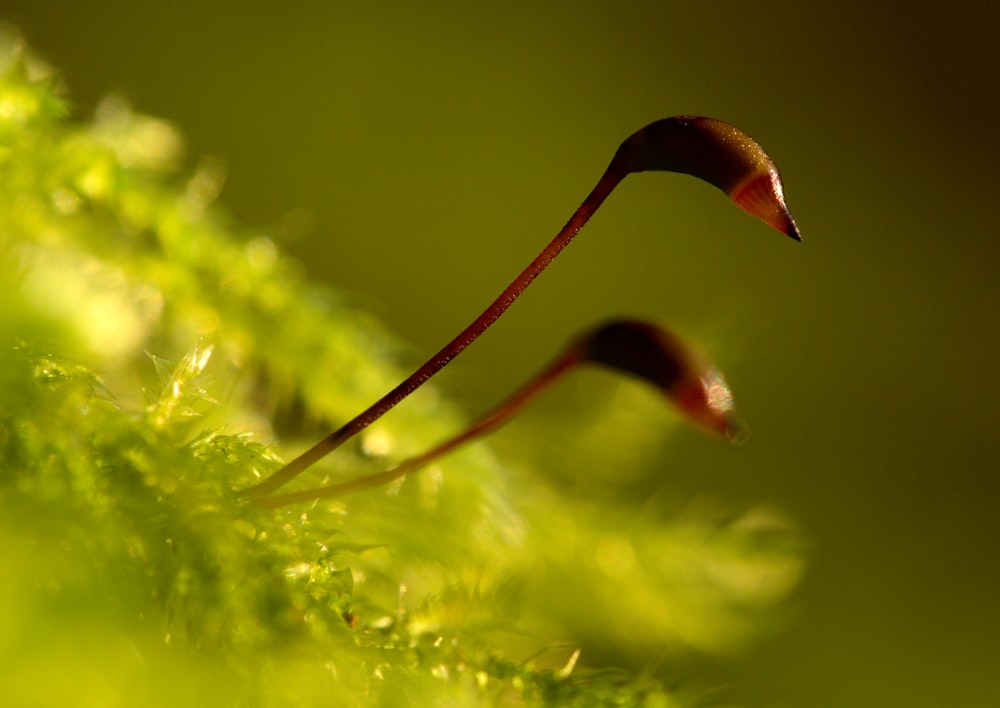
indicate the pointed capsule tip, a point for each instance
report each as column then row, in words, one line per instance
column 762, row 196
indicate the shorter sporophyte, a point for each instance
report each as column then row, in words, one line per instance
column 709, row 149
column 643, row 350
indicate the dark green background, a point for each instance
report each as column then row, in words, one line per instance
column 418, row 154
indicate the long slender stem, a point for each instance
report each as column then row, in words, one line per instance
column 612, row 176
column 490, row 421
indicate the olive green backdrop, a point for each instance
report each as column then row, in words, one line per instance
column 418, row 154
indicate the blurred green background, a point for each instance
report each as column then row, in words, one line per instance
column 418, row 155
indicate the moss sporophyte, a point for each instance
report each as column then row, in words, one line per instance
column 709, row 149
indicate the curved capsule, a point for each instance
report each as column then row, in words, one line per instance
column 658, row 357
column 717, row 152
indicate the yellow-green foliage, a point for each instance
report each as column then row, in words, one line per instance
column 151, row 354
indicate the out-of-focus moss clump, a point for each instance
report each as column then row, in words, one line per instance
column 150, row 352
